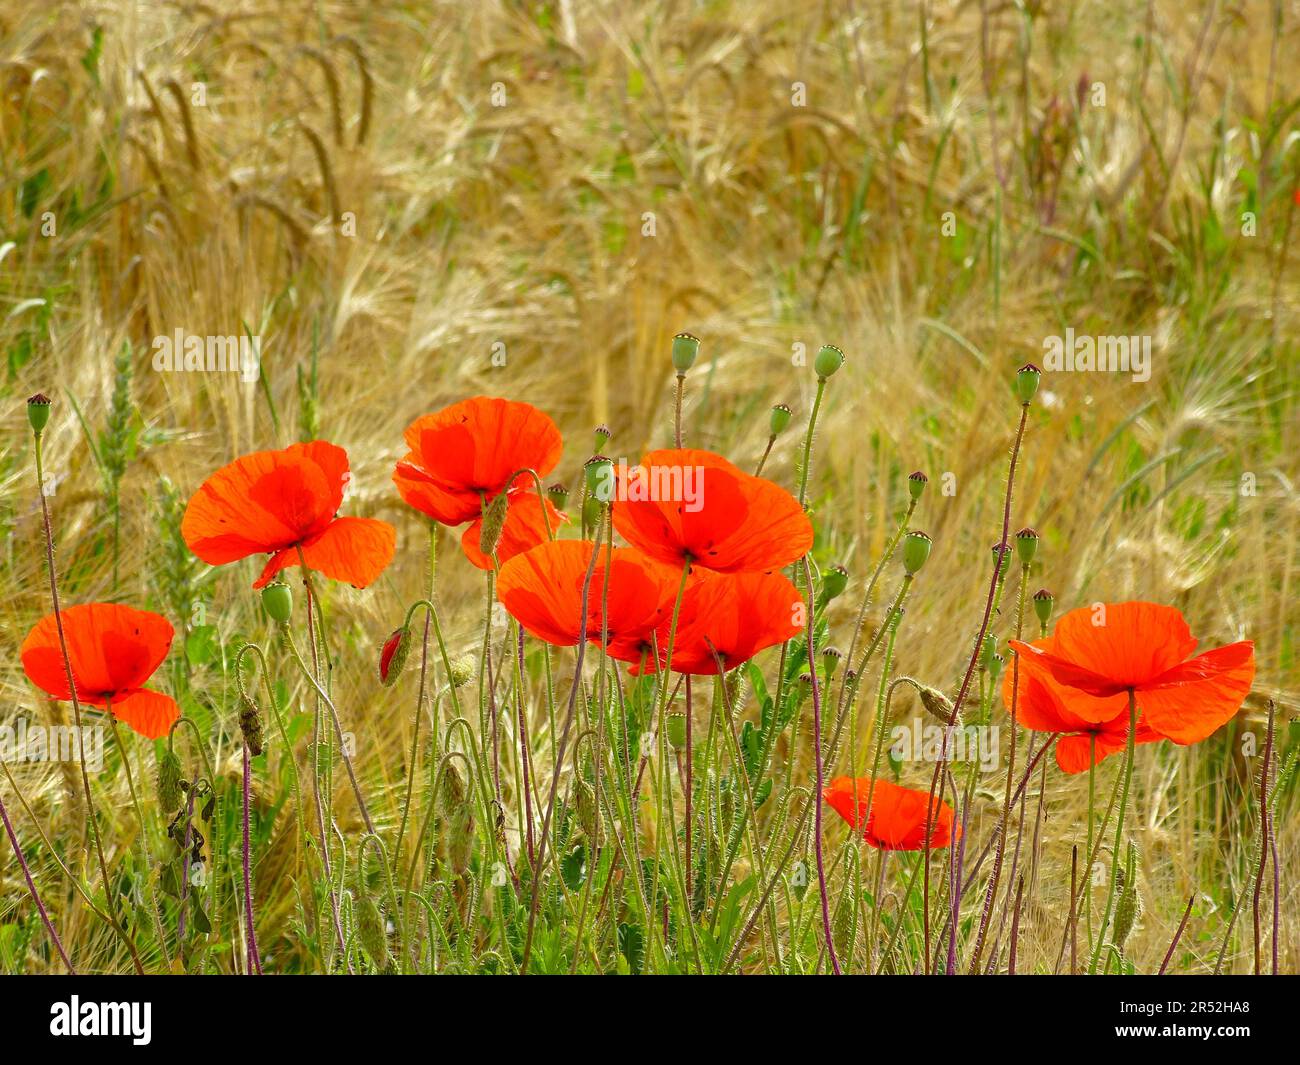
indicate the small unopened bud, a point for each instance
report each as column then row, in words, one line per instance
column 602, row 438
column 599, row 474
column 1026, row 545
column 685, row 350
column 1129, row 907
column 829, row 359
column 779, row 419
column 494, row 520
column 559, row 495
column 916, row 483
column 1027, row 379
column 677, row 731
column 584, row 801
column 834, row 580
column 277, row 601
column 250, row 724
column 38, row 412
column 1043, row 601
column 370, row 925
column 462, row 671
column 935, row 702
column 392, row 656
column 916, row 549
column 170, row 795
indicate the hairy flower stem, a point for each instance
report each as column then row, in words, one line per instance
column 1119, row 829
column 806, row 465
column 1265, row 833
column 254, row 957
column 955, row 713
column 677, row 411
column 31, row 890
column 109, row 893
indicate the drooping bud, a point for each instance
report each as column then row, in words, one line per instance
column 834, row 580
column 392, row 656
column 38, row 412
column 676, row 731
column 370, row 924
column 1027, row 379
column 277, row 601
column 829, row 359
column 1043, row 601
column 170, row 794
column 494, row 520
column 1026, row 545
column 559, row 495
column 462, row 670
column 250, row 724
column 916, row 483
column 935, row 702
column 584, row 801
column 458, row 816
column 599, row 474
column 916, row 549
column 685, row 350
column 1129, row 907
column 779, row 419
column 602, row 438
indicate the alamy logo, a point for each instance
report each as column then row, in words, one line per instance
column 1082, row 354
column 192, row 353
column 659, row 484
column 27, row 742
column 77, row 1018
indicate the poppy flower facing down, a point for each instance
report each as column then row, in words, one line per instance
column 1145, row 648
column 114, row 650
column 898, row 815
column 467, row 454
column 729, row 616
column 527, row 524
column 278, row 502
column 682, row 504
column 542, row 590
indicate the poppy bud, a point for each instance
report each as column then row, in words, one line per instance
column 831, row 656
column 494, row 520
column 458, row 815
column 462, row 671
column 602, row 438
column 599, row 474
column 829, row 359
column 1026, row 545
column 677, row 731
column 277, row 601
column 779, row 420
column 170, row 794
column 935, row 702
column 559, row 495
column 250, row 724
column 1129, row 906
column 834, row 581
column 685, row 350
column 916, row 483
column 1043, row 600
column 38, row 411
column 916, row 549
column 392, row 656
column 370, row 925
column 584, row 803
column 1027, row 379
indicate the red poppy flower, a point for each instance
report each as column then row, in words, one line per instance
column 114, row 650
column 731, row 616
column 897, row 819
column 1145, row 648
column 542, row 590
column 470, row 452
column 282, row 501
column 682, row 504
column 525, row 527
column 1043, row 705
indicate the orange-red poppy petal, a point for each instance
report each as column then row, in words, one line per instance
column 111, row 647
column 444, row 505
column 1046, row 705
column 353, row 550
column 1126, row 643
column 1090, row 697
column 149, row 713
column 525, row 527
column 1191, row 701
column 890, row 817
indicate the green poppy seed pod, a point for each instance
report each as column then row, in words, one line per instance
column 1002, row 558
column 494, row 520
column 834, row 581
column 602, row 438
column 392, row 656
column 916, row 483
column 780, row 419
column 916, row 549
column 685, row 350
column 462, row 670
column 599, row 474
column 1027, row 380
column 935, row 702
column 277, row 601
column 829, row 359
column 558, row 494
column 677, row 731
column 170, row 793
column 805, row 684
column 1043, row 600
column 832, row 656
column 995, row 668
column 988, row 650
column 1026, row 545
column 38, row 412
column 250, row 724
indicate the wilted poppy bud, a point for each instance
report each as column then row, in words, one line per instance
column 38, row 411
column 277, row 601
column 916, row 483
column 935, row 702
column 916, row 549
column 599, row 474
column 832, row 657
column 494, row 520
column 250, row 724
column 677, row 731
column 1027, row 379
column 602, row 438
column 559, row 495
column 462, row 671
column 170, row 795
column 829, row 359
column 779, row 420
column 685, row 349
column 392, row 656
column 1043, row 600
column 834, row 581
column 1026, row 545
